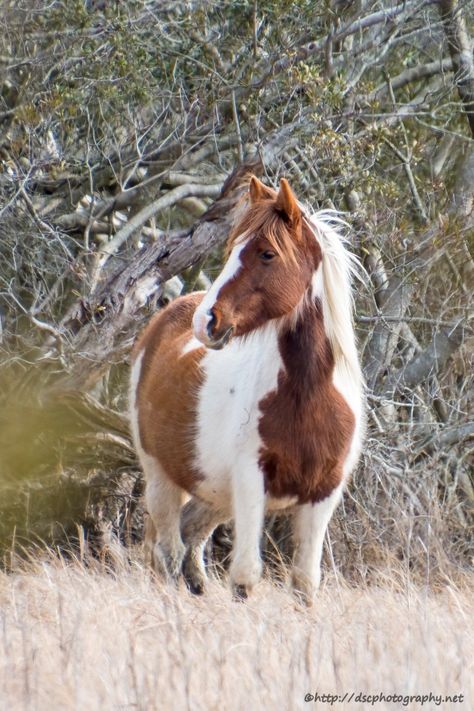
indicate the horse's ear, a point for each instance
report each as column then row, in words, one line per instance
column 259, row 191
column 287, row 203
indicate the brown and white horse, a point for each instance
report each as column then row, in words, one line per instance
column 249, row 398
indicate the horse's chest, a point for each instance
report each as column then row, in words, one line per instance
column 235, row 380
column 306, row 441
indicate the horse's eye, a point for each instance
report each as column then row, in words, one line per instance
column 267, row 256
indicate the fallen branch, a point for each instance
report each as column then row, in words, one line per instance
column 168, row 200
column 432, row 359
column 446, row 438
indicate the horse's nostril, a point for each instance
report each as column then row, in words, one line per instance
column 212, row 322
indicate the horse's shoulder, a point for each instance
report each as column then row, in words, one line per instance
column 172, row 320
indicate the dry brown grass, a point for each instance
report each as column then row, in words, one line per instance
column 73, row 637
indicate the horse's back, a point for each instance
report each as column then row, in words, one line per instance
column 169, row 324
column 165, row 381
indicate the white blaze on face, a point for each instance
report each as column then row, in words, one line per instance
column 202, row 315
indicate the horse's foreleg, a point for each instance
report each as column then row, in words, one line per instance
column 164, row 499
column 310, row 524
column 248, row 500
column 198, row 521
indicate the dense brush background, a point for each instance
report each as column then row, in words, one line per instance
column 127, row 133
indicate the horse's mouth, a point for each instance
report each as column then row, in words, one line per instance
column 219, row 343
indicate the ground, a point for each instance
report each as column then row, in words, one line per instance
column 86, row 637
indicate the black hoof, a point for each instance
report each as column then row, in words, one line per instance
column 194, row 586
column 240, row 593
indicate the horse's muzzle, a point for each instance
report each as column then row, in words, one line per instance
column 206, row 329
column 218, row 334
column 222, row 340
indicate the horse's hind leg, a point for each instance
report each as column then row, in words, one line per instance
column 198, row 521
column 163, row 499
column 310, row 524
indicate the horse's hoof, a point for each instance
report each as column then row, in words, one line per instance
column 193, row 574
column 303, row 598
column 240, row 593
column 196, row 587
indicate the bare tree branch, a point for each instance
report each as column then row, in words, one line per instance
column 432, row 359
column 381, row 17
column 420, row 71
column 447, row 437
column 460, row 48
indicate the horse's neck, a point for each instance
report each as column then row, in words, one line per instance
column 305, row 349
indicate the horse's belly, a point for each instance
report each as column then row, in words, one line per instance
column 217, row 491
column 280, row 503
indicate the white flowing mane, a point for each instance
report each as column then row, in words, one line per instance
column 339, row 267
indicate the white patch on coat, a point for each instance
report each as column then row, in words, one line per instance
column 228, row 442
column 236, row 379
column 310, row 524
column 191, row 345
column 202, row 316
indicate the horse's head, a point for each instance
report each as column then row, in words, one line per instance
column 272, row 256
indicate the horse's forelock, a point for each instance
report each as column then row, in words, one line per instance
column 262, row 218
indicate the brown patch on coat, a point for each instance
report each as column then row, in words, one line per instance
column 168, row 389
column 306, row 425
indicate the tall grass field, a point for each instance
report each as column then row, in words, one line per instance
column 111, row 637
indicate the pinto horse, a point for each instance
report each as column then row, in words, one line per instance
column 249, row 398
